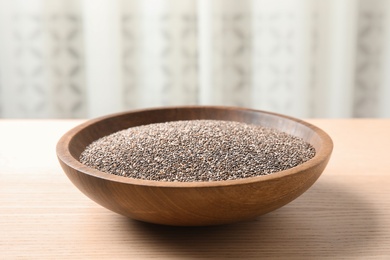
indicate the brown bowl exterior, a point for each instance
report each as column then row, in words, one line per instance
column 192, row 203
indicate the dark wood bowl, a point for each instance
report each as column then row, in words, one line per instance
column 192, row 203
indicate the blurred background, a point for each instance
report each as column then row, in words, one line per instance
column 86, row 58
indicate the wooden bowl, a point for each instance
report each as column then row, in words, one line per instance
column 192, row 203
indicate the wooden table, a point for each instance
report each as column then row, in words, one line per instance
column 346, row 214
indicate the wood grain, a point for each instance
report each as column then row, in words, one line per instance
column 345, row 215
column 192, row 203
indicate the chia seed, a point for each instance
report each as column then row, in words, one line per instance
column 196, row 150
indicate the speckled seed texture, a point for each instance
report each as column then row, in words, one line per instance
column 196, row 150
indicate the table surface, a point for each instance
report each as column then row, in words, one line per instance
column 345, row 214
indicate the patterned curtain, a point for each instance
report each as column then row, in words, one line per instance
column 305, row 58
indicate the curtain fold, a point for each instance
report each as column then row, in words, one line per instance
column 84, row 58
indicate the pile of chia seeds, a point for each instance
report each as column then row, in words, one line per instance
column 196, row 150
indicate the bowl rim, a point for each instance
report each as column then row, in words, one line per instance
column 64, row 155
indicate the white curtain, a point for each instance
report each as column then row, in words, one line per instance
column 305, row 58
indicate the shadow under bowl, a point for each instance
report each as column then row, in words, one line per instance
column 192, row 203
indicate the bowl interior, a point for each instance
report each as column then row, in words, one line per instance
column 95, row 129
